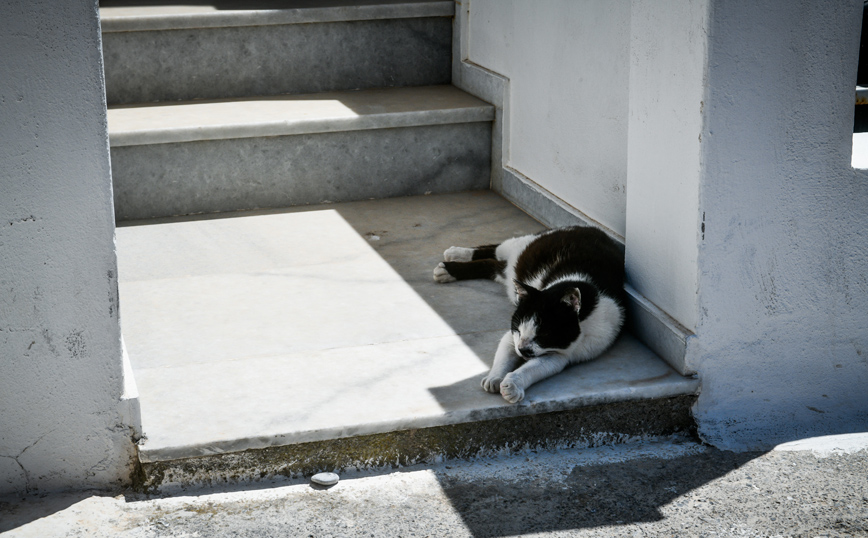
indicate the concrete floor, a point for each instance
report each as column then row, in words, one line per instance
column 313, row 323
column 665, row 488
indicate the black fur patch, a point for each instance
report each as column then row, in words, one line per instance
column 484, row 252
column 574, row 250
column 488, row 268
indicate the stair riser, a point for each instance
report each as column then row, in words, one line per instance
column 150, row 66
column 227, row 175
column 586, row 427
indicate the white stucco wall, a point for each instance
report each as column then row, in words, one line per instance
column 61, row 373
column 743, row 219
column 568, row 68
column 782, row 338
column 668, row 58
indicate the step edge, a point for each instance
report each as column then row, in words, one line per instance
column 677, row 387
column 617, row 423
column 475, row 114
column 274, row 17
column 658, row 330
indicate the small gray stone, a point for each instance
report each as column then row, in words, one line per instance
column 325, row 479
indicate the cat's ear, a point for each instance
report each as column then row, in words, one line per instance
column 574, row 299
column 521, row 290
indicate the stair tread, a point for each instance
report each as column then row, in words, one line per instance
column 318, row 323
column 145, row 15
column 186, row 121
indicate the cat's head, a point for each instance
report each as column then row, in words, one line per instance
column 545, row 321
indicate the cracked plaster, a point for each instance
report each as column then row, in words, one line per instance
column 62, row 376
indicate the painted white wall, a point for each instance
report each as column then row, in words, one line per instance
column 743, row 219
column 568, row 69
column 782, row 338
column 61, row 373
column 668, row 61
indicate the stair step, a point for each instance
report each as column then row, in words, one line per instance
column 306, row 339
column 293, row 115
column 158, row 51
column 280, row 151
column 142, row 15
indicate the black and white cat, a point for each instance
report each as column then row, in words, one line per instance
column 568, row 288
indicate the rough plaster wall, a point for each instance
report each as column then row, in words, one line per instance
column 667, row 82
column 60, row 355
column 568, row 66
column 782, row 342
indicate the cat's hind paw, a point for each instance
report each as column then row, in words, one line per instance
column 458, row 254
column 441, row 275
column 491, row 383
column 510, row 391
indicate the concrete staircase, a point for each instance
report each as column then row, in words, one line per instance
column 212, row 107
column 286, row 175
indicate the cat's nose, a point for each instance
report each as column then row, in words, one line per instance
column 526, row 352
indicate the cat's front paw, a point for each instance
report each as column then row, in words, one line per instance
column 458, row 254
column 491, row 383
column 441, row 275
column 510, row 390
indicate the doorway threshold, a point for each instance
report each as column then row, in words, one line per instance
column 260, row 330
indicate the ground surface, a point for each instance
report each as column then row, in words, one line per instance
column 321, row 322
column 662, row 488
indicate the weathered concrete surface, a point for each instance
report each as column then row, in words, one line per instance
column 236, row 61
column 597, row 425
column 64, row 418
column 666, row 488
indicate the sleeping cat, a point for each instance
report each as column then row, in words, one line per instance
column 568, row 288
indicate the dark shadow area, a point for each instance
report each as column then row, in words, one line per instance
column 594, row 496
column 411, row 235
column 713, row 493
column 19, row 510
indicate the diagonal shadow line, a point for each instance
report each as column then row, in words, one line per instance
column 401, row 226
column 591, row 496
column 596, row 496
column 16, row 512
column 410, row 234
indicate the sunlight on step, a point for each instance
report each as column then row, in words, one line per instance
column 204, row 116
column 263, row 285
column 255, row 326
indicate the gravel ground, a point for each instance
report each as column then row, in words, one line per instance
column 672, row 487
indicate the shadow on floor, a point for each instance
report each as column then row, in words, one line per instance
column 411, row 233
column 589, row 497
column 17, row 511
column 592, row 496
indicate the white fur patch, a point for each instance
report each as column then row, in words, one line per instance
column 508, row 252
column 572, row 277
column 441, row 275
column 599, row 331
column 526, row 335
column 458, row 254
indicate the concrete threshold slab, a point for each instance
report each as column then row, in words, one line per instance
column 322, row 324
